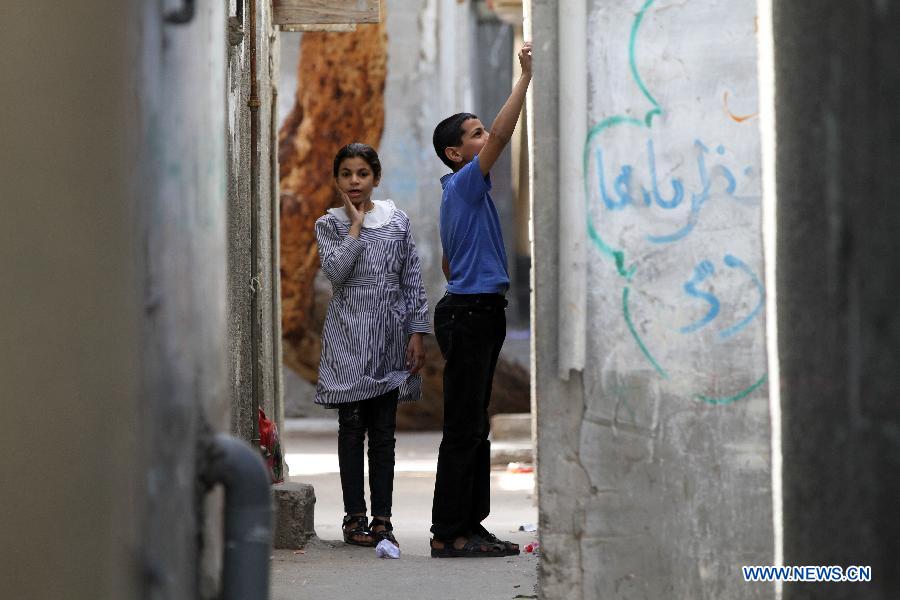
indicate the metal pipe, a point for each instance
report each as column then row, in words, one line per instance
column 255, row 326
column 274, row 267
column 248, row 516
column 573, row 94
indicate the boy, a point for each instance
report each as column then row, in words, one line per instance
column 470, row 324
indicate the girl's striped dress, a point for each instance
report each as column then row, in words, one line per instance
column 378, row 301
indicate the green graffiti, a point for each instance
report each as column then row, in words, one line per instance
column 617, row 255
column 729, row 399
column 632, row 58
column 637, row 338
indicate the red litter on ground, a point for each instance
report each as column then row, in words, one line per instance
column 532, row 547
column 515, row 467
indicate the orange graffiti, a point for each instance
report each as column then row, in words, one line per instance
column 736, row 118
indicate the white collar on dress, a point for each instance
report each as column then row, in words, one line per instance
column 379, row 216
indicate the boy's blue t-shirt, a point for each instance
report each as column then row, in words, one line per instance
column 470, row 233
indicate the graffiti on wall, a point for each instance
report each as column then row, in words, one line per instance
column 660, row 210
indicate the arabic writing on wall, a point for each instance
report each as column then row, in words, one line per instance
column 672, row 213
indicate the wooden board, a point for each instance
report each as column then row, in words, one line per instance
column 333, row 28
column 322, row 12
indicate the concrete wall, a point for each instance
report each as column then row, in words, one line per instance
column 181, row 109
column 242, row 280
column 838, row 263
column 113, row 186
column 411, row 170
column 665, row 489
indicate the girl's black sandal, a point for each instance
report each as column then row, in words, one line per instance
column 359, row 528
column 387, row 533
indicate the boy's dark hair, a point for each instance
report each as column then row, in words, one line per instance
column 448, row 133
column 363, row 151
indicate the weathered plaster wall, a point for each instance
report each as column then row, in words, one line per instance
column 411, row 171
column 557, row 404
column 182, row 195
column 673, row 439
column 241, row 279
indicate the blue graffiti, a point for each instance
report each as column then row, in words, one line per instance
column 622, row 186
column 705, row 270
column 701, row 272
column 677, row 185
column 736, row 263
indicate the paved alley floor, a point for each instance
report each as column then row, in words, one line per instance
column 329, row 569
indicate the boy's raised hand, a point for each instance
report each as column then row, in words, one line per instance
column 505, row 123
column 525, row 58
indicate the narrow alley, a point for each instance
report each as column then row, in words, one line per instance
column 329, row 569
column 629, row 268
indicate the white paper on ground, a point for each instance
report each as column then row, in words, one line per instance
column 385, row 549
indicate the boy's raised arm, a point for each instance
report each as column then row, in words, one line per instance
column 505, row 123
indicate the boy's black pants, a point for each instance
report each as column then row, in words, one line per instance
column 378, row 416
column 470, row 330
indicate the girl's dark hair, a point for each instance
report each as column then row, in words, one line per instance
column 448, row 133
column 363, row 151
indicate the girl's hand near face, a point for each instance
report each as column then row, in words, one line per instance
column 356, row 216
column 415, row 353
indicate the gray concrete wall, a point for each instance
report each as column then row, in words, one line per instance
column 557, row 405
column 838, row 263
column 113, row 186
column 181, row 112
column 411, row 170
column 654, row 460
column 241, row 277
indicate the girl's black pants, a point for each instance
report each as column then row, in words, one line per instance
column 377, row 417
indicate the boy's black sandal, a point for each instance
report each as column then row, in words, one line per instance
column 387, row 533
column 474, row 547
column 509, row 548
column 359, row 528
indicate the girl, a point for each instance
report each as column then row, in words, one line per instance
column 372, row 347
